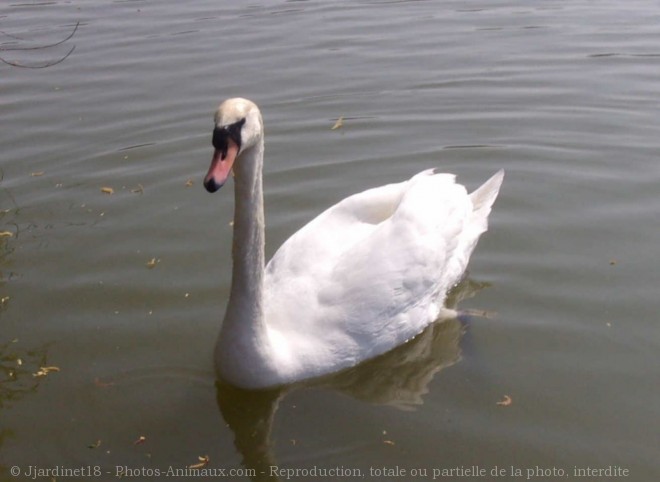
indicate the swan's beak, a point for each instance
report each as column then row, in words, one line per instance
column 220, row 167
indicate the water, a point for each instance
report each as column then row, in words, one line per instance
column 562, row 95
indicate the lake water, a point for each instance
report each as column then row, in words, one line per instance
column 124, row 292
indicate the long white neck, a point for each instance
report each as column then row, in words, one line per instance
column 249, row 239
column 243, row 330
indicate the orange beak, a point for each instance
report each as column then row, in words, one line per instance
column 221, row 165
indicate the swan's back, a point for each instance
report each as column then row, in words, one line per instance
column 370, row 272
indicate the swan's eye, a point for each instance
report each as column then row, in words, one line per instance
column 221, row 136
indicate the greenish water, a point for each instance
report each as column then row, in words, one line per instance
column 562, row 95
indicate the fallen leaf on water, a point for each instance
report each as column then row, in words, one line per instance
column 152, row 262
column 95, row 445
column 613, row 262
column 37, row 174
column 6, row 234
column 43, row 371
column 189, row 183
column 339, row 124
column 101, row 384
column 107, row 190
column 203, row 462
column 506, row 401
column 140, row 440
column 138, row 190
column 388, row 442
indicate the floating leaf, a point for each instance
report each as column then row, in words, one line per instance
column 138, row 190
column 506, row 401
column 6, row 234
column 107, row 190
column 189, row 183
column 203, row 462
column 388, row 442
column 101, row 384
column 152, row 263
column 95, row 445
column 613, row 262
column 43, row 371
column 140, row 440
column 37, row 174
column 339, row 124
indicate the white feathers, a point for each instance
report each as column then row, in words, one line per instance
column 364, row 276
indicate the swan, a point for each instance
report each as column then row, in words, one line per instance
column 364, row 276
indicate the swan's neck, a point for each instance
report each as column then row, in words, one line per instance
column 244, row 317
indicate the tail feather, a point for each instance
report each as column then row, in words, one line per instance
column 484, row 196
column 482, row 201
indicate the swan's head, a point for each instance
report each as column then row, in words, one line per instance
column 238, row 128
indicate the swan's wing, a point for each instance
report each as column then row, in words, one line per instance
column 302, row 266
column 390, row 286
column 370, row 272
column 316, row 246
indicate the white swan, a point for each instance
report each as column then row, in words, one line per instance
column 363, row 277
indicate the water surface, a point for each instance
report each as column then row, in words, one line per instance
column 124, row 292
